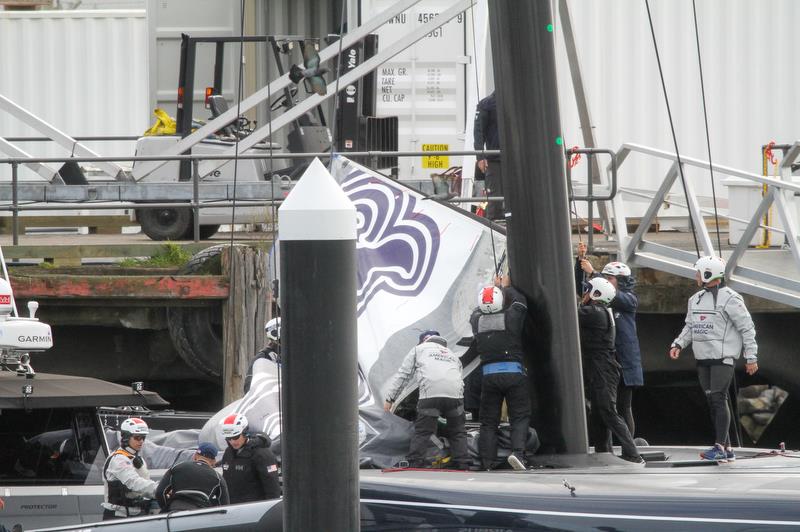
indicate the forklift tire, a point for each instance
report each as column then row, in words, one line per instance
column 165, row 224
column 197, row 332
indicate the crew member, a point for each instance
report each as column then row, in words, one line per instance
column 193, row 484
column 497, row 326
column 487, row 137
column 720, row 327
column 441, row 393
column 629, row 354
column 271, row 351
column 248, row 466
column 597, row 330
column 128, row 488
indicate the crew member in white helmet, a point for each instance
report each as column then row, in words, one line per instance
column 719, row 327
column 598, row 333
column 128, row 488
column 271, row 352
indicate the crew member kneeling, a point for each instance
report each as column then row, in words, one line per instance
column 193, row 484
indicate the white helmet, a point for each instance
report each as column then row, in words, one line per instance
column 133, row 426
column 617, row 269
column 233, row 425
column 273, row 329
column 601, row 290
column 490, row 299
column 710, row 268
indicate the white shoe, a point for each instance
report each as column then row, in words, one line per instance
column 516, row 463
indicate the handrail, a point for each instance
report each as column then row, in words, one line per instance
column 247, row 156
column 639, row 251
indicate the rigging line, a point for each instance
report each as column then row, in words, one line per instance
column 705, row 116
column 334, row 137
column 275, row 283
column 231, row 307
column 672, row 126
column 478, row 97
column 239, row 90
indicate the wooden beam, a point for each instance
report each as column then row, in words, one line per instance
column 243, row 315
column 120, row 286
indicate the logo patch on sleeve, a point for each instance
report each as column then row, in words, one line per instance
column 272, row 468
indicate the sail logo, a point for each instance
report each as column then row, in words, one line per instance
column 397, row 247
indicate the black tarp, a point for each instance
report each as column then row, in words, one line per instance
column 65, row 391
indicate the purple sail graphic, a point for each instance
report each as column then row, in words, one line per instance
column 397, row 247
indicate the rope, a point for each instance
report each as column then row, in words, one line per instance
column 705, row 116
column 231, row 313
column 336, row 90
column 672, row 126
column 478, row 97
column 274, row 231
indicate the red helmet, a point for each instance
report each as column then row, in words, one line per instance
column 490, row 299
column 233, row 425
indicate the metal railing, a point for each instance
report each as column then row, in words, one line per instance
column 766, row 276
column 50, row 195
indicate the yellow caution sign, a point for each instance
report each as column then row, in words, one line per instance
column 436, row 161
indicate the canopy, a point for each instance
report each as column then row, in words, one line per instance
column 65, row 391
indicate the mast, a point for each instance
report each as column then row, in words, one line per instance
column 539, row 243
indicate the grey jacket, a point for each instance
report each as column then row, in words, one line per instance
column 718, row 326
column 437, row 369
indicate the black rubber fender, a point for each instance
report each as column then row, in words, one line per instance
column 196, row 332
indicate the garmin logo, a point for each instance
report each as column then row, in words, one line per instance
column 33, row 339
column 38, row 506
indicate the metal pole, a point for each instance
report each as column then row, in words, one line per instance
column 590, row 204
column 195, row 199
column 539, row 243
column 15, row 204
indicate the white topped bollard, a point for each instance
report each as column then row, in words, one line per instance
column 319, row 437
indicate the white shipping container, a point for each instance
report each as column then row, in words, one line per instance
column 747, row 50
column 424, row 86
column 84, row 72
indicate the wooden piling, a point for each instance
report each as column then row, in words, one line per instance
column 244, row 314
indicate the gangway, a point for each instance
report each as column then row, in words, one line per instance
column 772, row 274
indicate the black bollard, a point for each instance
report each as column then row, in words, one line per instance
column 319, row 440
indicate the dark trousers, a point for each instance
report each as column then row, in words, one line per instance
column 513, row 387
column 625, row 406
column 109, row 515
column 603, row 383
column 428, row 412
column 715, row 381
column 494, row 187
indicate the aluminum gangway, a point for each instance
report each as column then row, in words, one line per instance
column 769, row 272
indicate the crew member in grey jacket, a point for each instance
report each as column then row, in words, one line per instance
column 441, row 393
column 719, row 327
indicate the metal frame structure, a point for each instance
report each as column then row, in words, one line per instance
column 312, row 101
column 637, row 250
column 58, row 136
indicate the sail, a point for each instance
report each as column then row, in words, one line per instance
column 421, row 264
